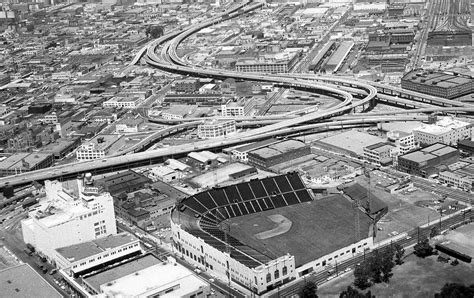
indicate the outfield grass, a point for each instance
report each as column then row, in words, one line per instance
column 318, row 228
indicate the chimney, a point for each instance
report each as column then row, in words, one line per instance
column 80, row 184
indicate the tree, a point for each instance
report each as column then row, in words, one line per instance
column 399, row 253
column 308, row 290
column 350, row 292
column 434, row 232
column 455, row 290
column 423, row 249
column 154, row 31
column 386, row 265
column 361, row 276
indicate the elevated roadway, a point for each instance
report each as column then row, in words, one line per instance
column 112, row 164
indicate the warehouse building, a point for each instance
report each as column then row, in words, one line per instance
column 215, row 129
column 428, row 161
column 277, row 153
column 442, row 84
column 446, row 130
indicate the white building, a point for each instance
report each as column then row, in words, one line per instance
column 85, row 256
column 235, row 109
column 69, row 217
column 453, row 179
column 404, row 141
column 128, row 102
column 99, row 147
column 215, row 129
column 165, row 173
column 380, row 153
column 178, row 111
column 147, row 277
column 447, row 130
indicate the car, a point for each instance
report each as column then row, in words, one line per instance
column 197, row 270
column 348, row 269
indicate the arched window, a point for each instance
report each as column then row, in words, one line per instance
column 285, row 270
column 269, row 277
column 277, row 274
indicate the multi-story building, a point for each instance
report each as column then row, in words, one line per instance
column 99, row 147
column 69, row 216
column 195, row 99
column 270, row 63
column 442, row 84
column 215, row 129
column 426, row 161
column 178, row 111
column 25, row 162
column 463, row 181
column 380, row 153
column 277, row 153
column 404, row 141
column 446, row 130
column 138, row 278
column 185, row 85
column 238, row 109
column 128, row 102
column 87, row 256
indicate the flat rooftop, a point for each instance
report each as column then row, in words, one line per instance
column 22, row 281
column 155, row 279
column 437, row 79
column 103, row 141
column 317, row 229
column 279, row 148
column 87, row 249
column 119, row 271
column 23, row 161
column 353, row 141
column 443, row 126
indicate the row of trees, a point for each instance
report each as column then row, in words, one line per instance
column 377, row 268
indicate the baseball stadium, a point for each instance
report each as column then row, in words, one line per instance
column 266, row 232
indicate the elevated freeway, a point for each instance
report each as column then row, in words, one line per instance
column 112, row 164
column 170, row 62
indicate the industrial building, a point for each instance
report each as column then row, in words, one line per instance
column 261, row 259
column 215, row 129
column 404, row 141
column 23, row 281
column 138, row 278
column 25, row 162
column 85, row 257
column 277, row 153
column 270, row 63
column 428, row 161
column 69, row 216
column 442, row 84
column 100, row 146
column 238, row 109
column 338, row 57
column 446, row 130
column 380, row 153
column 195, row 99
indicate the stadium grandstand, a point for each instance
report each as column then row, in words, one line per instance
column 368, row 200
column 266, row 232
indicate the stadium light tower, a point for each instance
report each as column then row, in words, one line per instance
column 226, row 230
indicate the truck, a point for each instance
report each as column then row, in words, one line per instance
column 30, row 247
